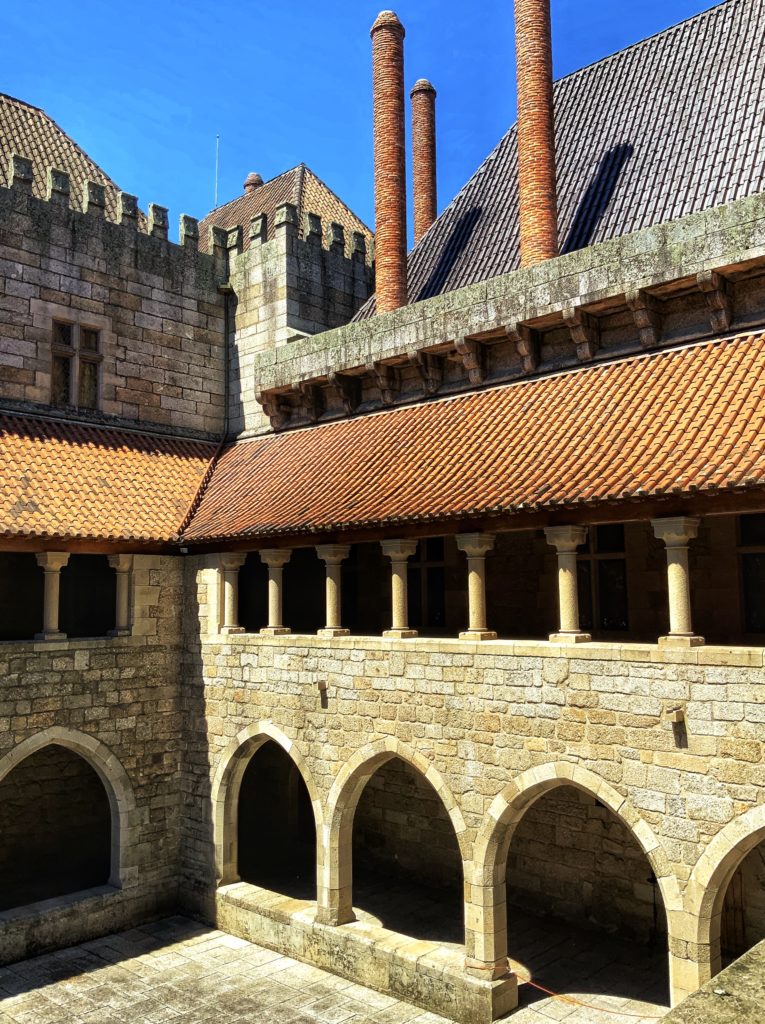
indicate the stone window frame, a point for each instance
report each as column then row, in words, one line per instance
column 589, row 553
column 77, row 355
column 742, row 550
column 44, row 316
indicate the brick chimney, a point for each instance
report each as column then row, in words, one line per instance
column 536, row 132
column 424, row 156
column 390, row 161
column 252, row 182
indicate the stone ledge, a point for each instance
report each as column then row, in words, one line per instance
column 424, row 973
column 735, row 996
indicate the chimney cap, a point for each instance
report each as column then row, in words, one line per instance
column 387, row 19
column 422, row 85
column 252, row 181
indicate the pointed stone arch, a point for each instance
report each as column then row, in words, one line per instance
column 227, row 783
column 124, row 818
column 335, row 864
column 705, row 892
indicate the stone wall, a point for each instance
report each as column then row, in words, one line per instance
column 155, row 304
column 114, row 703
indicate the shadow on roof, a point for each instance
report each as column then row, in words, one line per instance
column 452, row 249
column 596, row 198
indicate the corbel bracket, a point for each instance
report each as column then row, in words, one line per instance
column 349, row 390
column 276, row 407
column 471, row 353
column 387, row 379
column 646, row 314
column 312, row 399
column 430, row 368
column 584, row 332
column 526, row 343
column 716, row 292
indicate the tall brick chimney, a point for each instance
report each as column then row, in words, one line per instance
column 424, row 156
column 536, row 132
column 390, row 161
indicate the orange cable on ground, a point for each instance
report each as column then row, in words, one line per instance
column 588, row 1006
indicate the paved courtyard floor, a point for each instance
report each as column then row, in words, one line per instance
column 177, row 971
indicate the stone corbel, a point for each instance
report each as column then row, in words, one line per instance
column 387, row 380
column 349, row 389
column 647, row 316
column 276, row 407
column 430, row 368
column 715, row 289
column 312, row 399
column 584, row 332
column 473, row 359
column 526, row 343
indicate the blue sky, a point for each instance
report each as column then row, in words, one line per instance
column 145, row 88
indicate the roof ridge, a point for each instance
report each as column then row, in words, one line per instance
column 236, row 199
column 24, row 103
column 334, row 195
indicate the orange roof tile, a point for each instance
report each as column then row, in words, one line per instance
column 68, row 481
column 679, row 422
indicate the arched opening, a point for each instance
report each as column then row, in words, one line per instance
column 742, row 924
column 407, row 867
column 276, row 829
column 55, row 828
column 88, row 596
column 580, row 889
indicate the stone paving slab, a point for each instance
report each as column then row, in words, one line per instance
column 178, row 971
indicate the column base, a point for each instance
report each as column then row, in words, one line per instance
column 400, row 634
column 230, row 630
column 49, row 636
column 681, row 640
column 570, row 638
column 275, row 631
column 478, row 634
column 331, row 631
column 119, row 632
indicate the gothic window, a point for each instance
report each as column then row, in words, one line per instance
column 75, row 366
column 602, row 580
column 752, row 561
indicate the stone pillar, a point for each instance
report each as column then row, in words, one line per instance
column 52, row 562
column 476, row 546
column 677, row 533
column 399, row 551
column 122, row 565
column 333, row 555
column 565, row 540
column 230, row 563
column 275, row 559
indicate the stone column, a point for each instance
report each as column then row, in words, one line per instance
column 52, row 562
column 399, row 551
column 122, row 565
column 333, row 556
column 565, row 540
column 677, row 533
column 275, row 559
column 230, row 563
column 476, row 546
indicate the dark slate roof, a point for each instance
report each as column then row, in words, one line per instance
column 670, row 126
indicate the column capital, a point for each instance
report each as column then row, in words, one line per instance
column 52, row 561
column 565, row 538
column 121, row 563
column 676, row 532
column 275, row 558
column 333, row 553
column 232, row 560
column 475, row 545
column 398, row 550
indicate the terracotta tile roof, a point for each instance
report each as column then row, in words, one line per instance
column 29, row 132
column 665, row 128
column 63, row 480
column 678, row 422
column 299, row 186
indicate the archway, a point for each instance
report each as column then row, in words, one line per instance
column 726, row 893
column 266, row 813
column 56, row 831
column 394, row 849
column 569, row 874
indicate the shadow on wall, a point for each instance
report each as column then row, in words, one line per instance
column 595, row 200
column 450, row 253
